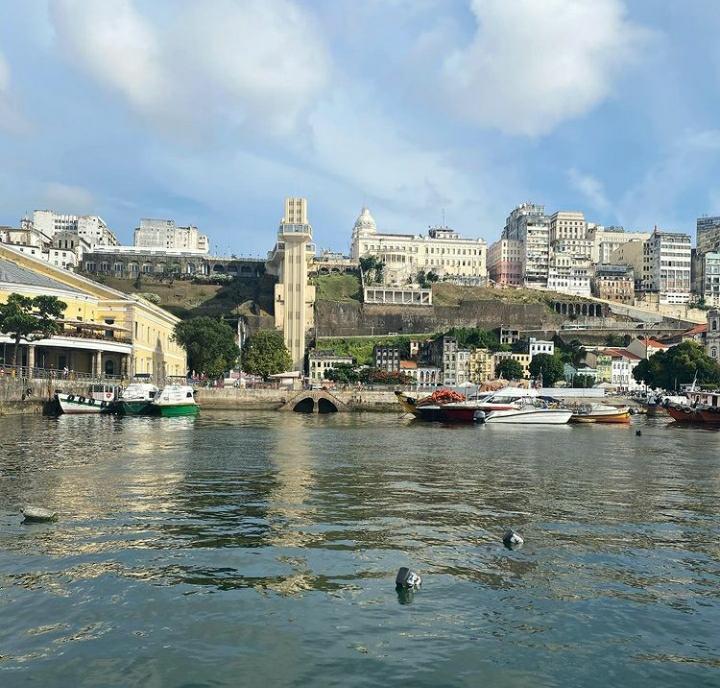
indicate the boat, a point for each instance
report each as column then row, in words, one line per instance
column 175, row 400
column 699, row 407
column 600, row 413
column 136, row 399
column 530, row 410
column 472, row 410
column 98, row 399
column 430, row 408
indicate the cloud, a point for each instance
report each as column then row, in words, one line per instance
column 10, row 118
column 532, row 65
column 590, row 187
column 68, row 199
column 259, row 63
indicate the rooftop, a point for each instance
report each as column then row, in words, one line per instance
column 12, row 273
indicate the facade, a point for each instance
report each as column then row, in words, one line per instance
column 706, row 277
column 529, row 225
column 26, row 235
column 290, row 261
column 504, row 261
column 667, row 266
column 569, row 274
column 605, row 240
column 422, row 375
column 540, row 346
column 708, row 234
column 442, row 251
column 481, row 366
column 631, row 254
column 387, row 358
column 522, row 359
column 321, row 361
column 166, row 234
column 565, row 224
column 614, row 283
column 105, row 332
column 621, row 365
column 712, row 339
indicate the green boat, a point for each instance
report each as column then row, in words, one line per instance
column 175, row 400
column 136, row 400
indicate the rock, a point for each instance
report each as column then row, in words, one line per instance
column 407, row 579
column 36, row 514
column 512, row 539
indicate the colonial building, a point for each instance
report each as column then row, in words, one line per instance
column 614, row 283
column 105, row 332
column 442, row 251
column 387, row 358
column 481, row 366
column 522, row 359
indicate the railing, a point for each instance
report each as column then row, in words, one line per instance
column 24, row 372
column 89, row 334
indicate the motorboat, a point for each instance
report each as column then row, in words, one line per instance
column 600, row 413
column 529, row 411
column 136, row 399
column 175, row 400
column 473, row 409
column 98, row 399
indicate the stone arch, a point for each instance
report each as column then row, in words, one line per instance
column 326, row 406
column 305, row 405
column 218, row 268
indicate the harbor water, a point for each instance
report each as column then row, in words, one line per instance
column 260, row 549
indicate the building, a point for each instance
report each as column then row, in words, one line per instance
column 290, row 261
column 26, row 235
column 105, row 332
column 632, row 255
column 91, row 228
column 423, row 375
column 708, row 234
column 621, row 365
column 644, row 347
column 614, row 283
column 569, row 274
column 319, row 362
column 565, row 224
column 706, row 276
column 712, row 338
column 387, row 358
column 522, row 359
column 605, row 240
column 481, row 366
column 504, row 260
column 540, row 346
column 442, row 251
column 167, row 235
column 508, row 334
column 667, row 266
column 529, row 225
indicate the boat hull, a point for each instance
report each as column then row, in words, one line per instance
column 620, row 416
column 173, row 410
column 684, row 414
column 531, row 417
column 76, row 404
column 139, row 407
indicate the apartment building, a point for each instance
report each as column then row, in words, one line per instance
column 166, row 234
column 667, row 266
column 529, row 224
column 505, row 262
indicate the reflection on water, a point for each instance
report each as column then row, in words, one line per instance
column 195, row 550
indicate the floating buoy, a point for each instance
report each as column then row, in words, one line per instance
column 36, row 514
column 638, row 433
column 407, row 579
column 512, row 539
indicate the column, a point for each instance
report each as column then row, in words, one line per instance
column 124, row 365
column 31, row 359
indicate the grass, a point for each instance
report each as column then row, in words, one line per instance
column 337, row 288
column 445, row 294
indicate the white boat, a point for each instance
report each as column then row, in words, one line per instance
column 530, row 411
column 98, row 399
column 176, row 400
column 136, row 399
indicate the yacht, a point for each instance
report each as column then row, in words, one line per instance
column 175, row 400
column 529, row 410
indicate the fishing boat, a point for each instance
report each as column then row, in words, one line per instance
column 136, row 399
column 700, row 407
column 175, row 400
column 529, row 411
column 600, row 413
column 430, row 408
column 98, row 399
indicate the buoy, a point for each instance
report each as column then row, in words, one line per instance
column 512, row 539
column 36, row 514
column 638, row 433
column 407, row 579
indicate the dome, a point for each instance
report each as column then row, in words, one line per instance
column 365, row 223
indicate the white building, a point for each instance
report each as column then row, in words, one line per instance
column 321, row 361
column 91, row 228
column 667, row 266
column 707, row 277
column 442, row 251
column 566, row 224
column 166, row 234
column 529, row 225
column 540, row 346
column 569, row 274
column 605, row 240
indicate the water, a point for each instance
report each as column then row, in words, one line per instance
column 260, row 549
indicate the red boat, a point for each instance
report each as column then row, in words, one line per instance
column 502, row 400
column 702, row 407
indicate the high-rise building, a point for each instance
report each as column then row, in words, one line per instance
column 290, row 260
column 91, row 228
column 505, row 262
column 706, row 276
column 667, row 266
column 708, row 234
column 607, row 239
column 167, row 235
column 528, row 224
column 565, row 224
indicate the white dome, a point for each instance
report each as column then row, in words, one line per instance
column 365, row 223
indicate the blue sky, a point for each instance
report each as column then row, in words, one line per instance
column 211, row 112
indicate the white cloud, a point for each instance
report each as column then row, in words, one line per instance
column 590, row 187
column 258, row 63
column 10, row 118
column 68, row 199
column 534, row 64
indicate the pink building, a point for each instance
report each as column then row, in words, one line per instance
column 505, row 262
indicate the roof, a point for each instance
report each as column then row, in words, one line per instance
column 621, row 353
column 13, row 273
column 697, row 329
column 409, row 365
column 655, row 344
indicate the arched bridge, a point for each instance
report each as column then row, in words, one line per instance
column 314, row 401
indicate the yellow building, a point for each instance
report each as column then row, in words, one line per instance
column 522, row 359
column 481, row 366
column 290, row 261
column 105, row 332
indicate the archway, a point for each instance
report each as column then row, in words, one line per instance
column 306, row 405
column 109, row 367
column 325, row 406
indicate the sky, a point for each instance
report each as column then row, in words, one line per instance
column 210, row 113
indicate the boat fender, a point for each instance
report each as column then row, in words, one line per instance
column 71, row 397
column 103, row 404
column 81, row 400
column 407, row 579
column 512, row 539
column 91, row 402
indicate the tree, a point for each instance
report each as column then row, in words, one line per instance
column 510, row 369
column 550, row 367
column 210, row 345
column 265, row 354
column 342, row 372
column 678, row 365
column 30, row 318
column 584, row 381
